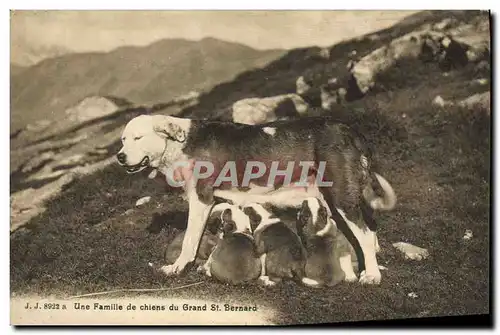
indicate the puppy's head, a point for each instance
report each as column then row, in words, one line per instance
column 144, row 141
column 233, row 219
column 258, row 213
column 312, row 218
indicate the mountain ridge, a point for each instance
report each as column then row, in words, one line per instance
column 154, row 73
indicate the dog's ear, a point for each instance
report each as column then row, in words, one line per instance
column 303, row 214
column 322, row 219
column 254, row 217
column 166, row 128
column 226, row 215
column 228, row 227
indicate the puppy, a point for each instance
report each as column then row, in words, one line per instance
column 209, row 240
column 328, row 256
column 207, row 245
column 281, row 252
column 234, row 259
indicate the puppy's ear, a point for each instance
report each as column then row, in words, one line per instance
column 228, row 227
column 322, row 218
column 252, row 215
column 255, row 218
column 226, row 215
column 268, row 207
column 168, row 129
column 303, row 214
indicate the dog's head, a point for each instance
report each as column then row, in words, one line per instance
column 233, row 219
column 258, row 213
column 146, row 138
column 312, row 218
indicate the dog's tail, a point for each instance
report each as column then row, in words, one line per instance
column 387, row 201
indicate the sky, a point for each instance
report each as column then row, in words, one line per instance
column 105, row 30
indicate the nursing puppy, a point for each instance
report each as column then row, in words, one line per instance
column 234, row 259
column 209, row 240
column 281, row 252
column 207, row 245
column 328, row 255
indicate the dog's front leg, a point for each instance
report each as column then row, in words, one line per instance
column 198, row 214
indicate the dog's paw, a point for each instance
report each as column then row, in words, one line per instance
column 370, row 278
column 350, row 277
column 264, row 280
column 155, row 266
column 167, row 270
column 310, row 282
column 172, row 269
column 202, row 269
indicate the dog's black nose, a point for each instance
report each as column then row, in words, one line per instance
column 121, row 157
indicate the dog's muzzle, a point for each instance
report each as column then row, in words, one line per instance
column 138, row 167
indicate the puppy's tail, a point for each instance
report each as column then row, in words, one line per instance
column 384, row 203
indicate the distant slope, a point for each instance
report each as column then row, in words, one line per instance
column 27, row 54
column 279, row 76
column 144, row 75
column 15, row 69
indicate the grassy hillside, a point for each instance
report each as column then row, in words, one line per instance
column 92, row 238
column 144, row 75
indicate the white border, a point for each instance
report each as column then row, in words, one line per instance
column 190, row 4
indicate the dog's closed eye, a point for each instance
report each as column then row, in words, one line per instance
column 137, row 138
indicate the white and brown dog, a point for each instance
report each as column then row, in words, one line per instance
column 279, row 247
column 329, row 258
column 334, row 154
column 235, row 259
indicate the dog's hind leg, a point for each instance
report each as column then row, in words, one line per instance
column 367, row 214
column 370, row 274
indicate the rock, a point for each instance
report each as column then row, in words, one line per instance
column 100, row 151
column 444, row 24
column 483, row 66
column 71, row 160
column 324, row 53
column 481, row 81
column 143, row 200
column 128, row 212
column 38, row 161
column 262, row 110
column 411, row 251
column 189, row 97
column 412, row 295
column 468, row 234
column 92, row 107
column 439, row 101
column 38, row 125
column 301, row 86
column 382, row 59
column 480, row 100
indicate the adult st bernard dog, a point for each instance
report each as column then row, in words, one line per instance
column 335, row 156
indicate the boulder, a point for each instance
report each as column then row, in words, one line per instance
column 302, row 86
column 90, row 108
column 262, row 110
